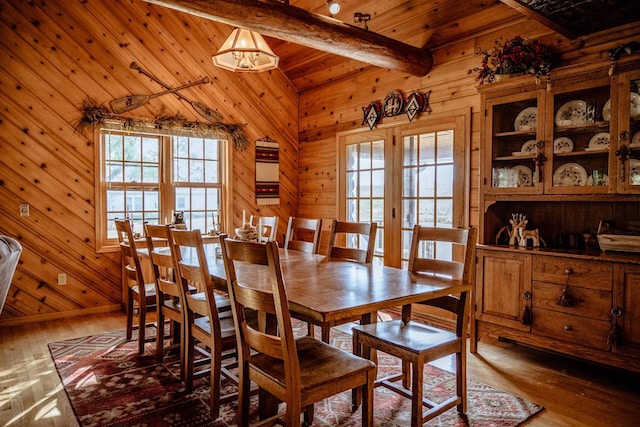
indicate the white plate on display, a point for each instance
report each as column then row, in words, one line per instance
column 634, row 107
column 528, row 148
column 562, row 145
column 525, row 176
column 570, row 174
column 634, row 171
column 527, row 119
column 573, row 113
column 635, row 141
column 599, row 142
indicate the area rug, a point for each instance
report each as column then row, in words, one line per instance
column 108, row 384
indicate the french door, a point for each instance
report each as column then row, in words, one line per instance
column 405, row 175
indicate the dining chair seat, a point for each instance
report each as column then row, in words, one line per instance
column 416, row 344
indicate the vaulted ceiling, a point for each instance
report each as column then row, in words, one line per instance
column 417, row 24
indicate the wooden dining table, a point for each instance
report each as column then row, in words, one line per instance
column 326, row 291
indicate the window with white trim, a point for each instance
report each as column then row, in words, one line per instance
column 148, row 178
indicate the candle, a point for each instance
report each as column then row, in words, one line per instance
column 244, row 217
column 260, row 230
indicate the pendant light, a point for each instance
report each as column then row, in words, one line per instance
column 245, row 51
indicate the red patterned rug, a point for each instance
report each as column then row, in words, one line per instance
column 108, row 384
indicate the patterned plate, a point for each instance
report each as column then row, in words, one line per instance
column 527, row 119
column 525, row 176
column 562, row 145
column 573, row 113
column 570, row 174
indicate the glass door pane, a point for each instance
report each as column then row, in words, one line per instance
column 427, row 187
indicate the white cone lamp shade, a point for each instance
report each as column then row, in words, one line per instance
column 247, row 51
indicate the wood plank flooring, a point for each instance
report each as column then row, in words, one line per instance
column 574, row 393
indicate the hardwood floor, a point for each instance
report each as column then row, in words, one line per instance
column 573, row 393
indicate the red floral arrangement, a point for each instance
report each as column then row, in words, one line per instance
column 516, row 55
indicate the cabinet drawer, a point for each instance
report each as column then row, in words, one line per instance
column 592, row 303
column 584, row 273
column 574, row 329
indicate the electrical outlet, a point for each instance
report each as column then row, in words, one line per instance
column 24, row 209
column 62, row 279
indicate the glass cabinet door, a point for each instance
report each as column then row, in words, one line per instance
column 578, row 149
column 514, row 128
column 627, row 141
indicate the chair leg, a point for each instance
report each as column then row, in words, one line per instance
column 416, row 394
column 142, row 326
column 214, row 387
column 308, row 414
column 292, row 417
column 367, row 399
column 189, row 356
column 461, row 380
column 244, row 395
column 129, row 314
column 160, row 336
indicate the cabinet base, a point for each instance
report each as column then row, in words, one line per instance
column 627, row 362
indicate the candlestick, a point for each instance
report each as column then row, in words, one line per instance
column 244, row 217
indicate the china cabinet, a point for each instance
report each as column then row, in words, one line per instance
column 565, row 152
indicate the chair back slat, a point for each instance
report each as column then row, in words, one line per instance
column 162, row 261
column 269, row 227
column 303, row 234
column 341, row 231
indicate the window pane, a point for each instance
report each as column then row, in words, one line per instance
column 181, row 170
column 365, row 155
column 365, row 210
column 377, row 183
column 210, row 171
column 196, row 171
column 352, row 184
column 132, row 172
column 181, row 146
column 132, row 148
column 407, row 235
column 445, row 212
column 352, row 157
column 196, row 148
column 409, row 217
column 150, row 173
column 445, row 146
column 427, row 182
column 410, row 183
column 211, row 148
column 426, row 212
column 377, row 213
column 365, row 184
column 427, row 149
column 445, row 181
column 410, row 155
column 151, row 150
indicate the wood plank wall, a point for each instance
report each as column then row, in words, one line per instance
column 337, row 107
column 57, row 53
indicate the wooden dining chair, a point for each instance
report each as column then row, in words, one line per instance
column 415, row 343
column 138, row 292
column 269, row 227
column 357, row 244
column 352, row 240
column 170, row 294
column 298, row 371
column 204, row 322
column 303, row 234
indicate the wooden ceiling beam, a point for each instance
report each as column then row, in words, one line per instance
column 309, row 29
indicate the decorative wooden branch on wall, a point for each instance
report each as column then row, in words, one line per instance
column 131, row 102
column 206, row 112
column 94, row 113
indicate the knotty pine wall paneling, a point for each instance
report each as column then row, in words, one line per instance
column 57, row 53
column 334, row 107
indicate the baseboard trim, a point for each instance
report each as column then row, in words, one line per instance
column 59, row 315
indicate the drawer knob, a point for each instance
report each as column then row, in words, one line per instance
column 568, row 328
column 616, row 312
column 568, row 271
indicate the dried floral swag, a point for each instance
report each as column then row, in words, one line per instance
column 94, row 113
column 517, row 55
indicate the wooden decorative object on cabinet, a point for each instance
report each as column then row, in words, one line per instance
column 563, row 297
